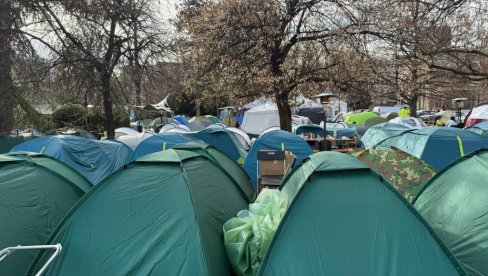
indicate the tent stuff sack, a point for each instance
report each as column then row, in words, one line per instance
column 248, row 235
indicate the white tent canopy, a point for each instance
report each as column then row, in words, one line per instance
column 132, row 141
column 242, row 137
column 410, row 122
column 261, row 117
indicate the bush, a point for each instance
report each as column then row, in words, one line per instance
column 91, row 119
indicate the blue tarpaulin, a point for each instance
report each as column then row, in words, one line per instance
column 91, row 158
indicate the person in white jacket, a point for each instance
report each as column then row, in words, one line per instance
column 452, row 122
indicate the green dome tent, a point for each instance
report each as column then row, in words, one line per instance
column 36, row 192
column 405, row 172
column 359, row 119
column 344, row 220
column 160, row 215
column 455, row 204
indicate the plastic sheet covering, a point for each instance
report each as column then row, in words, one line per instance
column 248, row 235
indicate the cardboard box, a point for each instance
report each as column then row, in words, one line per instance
column 276, row 163
column 270, row 182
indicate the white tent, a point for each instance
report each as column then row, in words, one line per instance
column 261, row 117
column 409, row 122
column 170, row 126
column 242, row 137
column 121, row 131
column 132, row 141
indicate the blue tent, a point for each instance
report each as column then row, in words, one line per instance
column 162, row 141
column 380, row 132
column 479, row 128
column 275, row 140
column 438, row 146
column 182, row 120
column 91, row 158
column 306, row 129
column 223, row 140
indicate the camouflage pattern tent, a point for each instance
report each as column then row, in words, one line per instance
column 405, row 172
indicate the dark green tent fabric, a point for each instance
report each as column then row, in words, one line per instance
column 455, row 204
column 344, row 220
column 8, row 142
column 235, row 171
column 35, row 194
column 161, row 215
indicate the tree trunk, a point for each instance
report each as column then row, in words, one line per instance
column 412, row 103
column 6, row 85
column 107, row 106
column 284, row 110
column 137, row 81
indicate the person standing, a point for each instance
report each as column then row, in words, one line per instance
column 452, row 122
column 404, row 112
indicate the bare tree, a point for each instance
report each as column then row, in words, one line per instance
column 274, row 45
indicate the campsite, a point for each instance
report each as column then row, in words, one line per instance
column 214, row 199
column 244, row 137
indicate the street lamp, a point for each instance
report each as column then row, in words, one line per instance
column 325, row 100
column 459, row 104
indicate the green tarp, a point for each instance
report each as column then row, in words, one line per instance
column 344, row 220
column 35, row 194
column 359, row 119
column 405, row 172
column 161, row 215
column 455, row 204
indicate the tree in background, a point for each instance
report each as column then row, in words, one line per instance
column 6, row 82
column 95, row 35
column 273, row 45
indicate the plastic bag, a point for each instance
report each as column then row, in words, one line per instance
column 248, row 235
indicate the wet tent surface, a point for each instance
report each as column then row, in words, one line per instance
column 455, row 204
column 93, row 159
column 345, row 221
column 168, row 224
column 35, row 194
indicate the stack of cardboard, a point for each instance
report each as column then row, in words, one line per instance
column 273, row 166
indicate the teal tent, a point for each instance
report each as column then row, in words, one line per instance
column 222, row 139
column 479, row 128
column 455, row 204
column 8, row 142
column 307, row 129
column 438, row 146
column 160, row 215
column 219, row 158
column 93, row 159
column 275, row 140
column 159, row 142
column 36, row 192
column 344, row 220
column 380, row 132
